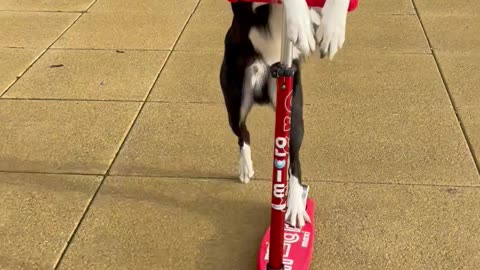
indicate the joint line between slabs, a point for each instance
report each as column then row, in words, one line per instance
column 74, row 232
column 151, row 89
column 449, row 92
column 45, row 50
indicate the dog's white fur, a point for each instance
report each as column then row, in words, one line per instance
column 296, row 206
column 330, row 36
column 331, row 33
column 299, row 25
column 270, row 46
column 255, row 76
column 246, row 164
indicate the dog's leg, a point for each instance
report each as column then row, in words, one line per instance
column 296, row 213
column 238, row 94
column 237, row 119
column 245, row 169
column 254, row 79
column 296, row 127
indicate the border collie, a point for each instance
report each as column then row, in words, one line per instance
column 252, row 46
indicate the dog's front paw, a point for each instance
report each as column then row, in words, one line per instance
column 331, row 31
column 246, row 165
column 296, row 211
column 299, row 26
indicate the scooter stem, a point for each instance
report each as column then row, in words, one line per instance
column 287, row 46
column 284, row 75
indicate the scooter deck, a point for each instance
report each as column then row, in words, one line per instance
column 298, row 244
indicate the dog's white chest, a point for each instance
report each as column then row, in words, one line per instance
column 269, row 45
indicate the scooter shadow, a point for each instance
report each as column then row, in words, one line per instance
column 230, row 220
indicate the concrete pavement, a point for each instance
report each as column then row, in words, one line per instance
column 116, row 151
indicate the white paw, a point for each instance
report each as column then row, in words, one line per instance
column 299, row 26
column 331, row 32
column 296, row 211
column 315, row 16
column 246, row 165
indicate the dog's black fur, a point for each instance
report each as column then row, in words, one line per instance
column 239, row 54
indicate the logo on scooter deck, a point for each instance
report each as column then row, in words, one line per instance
column 292, row 238
column 280, row 163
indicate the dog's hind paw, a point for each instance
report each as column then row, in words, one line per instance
column 246, row 165
column 296, row 212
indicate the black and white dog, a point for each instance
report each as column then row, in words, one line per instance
column 252, row 46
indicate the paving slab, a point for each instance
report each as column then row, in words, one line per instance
column 403, row 80
column 33, row 29
column 396, row 227
column 459, row 19
column 90, row 75
column 16, row 62
column 181, row 140
column 462, row 77
column 206, row 29
column 125, row 30
column 143, row 6
column 369, row 33
column 463, row 34
column 38, row 214
column 218, row 224
column 184, row 224
column 62, row 137
column 383, row 125
column 383, row 117
column 212, row 6
column 190, row 76
column 45, row 5
column 208, row 26
column 356, row 143
column 397, row 7
column 446, row 7
column 461, row 74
